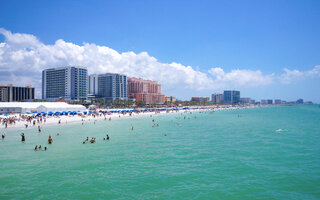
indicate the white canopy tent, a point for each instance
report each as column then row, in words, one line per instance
column 24, row 107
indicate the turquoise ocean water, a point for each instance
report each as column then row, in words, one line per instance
column 261, row 153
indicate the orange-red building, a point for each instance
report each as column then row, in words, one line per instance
column 145, row 90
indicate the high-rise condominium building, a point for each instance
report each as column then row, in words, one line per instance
column 217, row 98
column 11, row 93
column 231, row 96
column 109, row 86
column 69, row 83
column 145, row 90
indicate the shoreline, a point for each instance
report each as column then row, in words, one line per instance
column 66, row 119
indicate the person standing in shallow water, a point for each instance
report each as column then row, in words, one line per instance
column 23, row 138
column 3, row 135
column 50, row 139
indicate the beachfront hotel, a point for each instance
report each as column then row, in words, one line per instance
column 110, row 86
column 217, row 98
column 10, row 93
column 145, row 90
column 69, row 83
column 231, row 96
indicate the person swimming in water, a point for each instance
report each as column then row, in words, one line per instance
column 50, row 139
column 45, row 149
column 36, row 148
column 39, row 128
column 3, row 135
column 93, row 140
column 40, row 147
column 23, row 138
column 86, row 140
column 108, row 137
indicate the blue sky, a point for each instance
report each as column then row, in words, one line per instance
column 247, row 35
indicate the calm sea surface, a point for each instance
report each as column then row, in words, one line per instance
column 261, row 153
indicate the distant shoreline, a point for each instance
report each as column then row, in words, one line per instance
column 67, row 119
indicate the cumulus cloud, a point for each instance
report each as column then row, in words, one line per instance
column 23, row 57
column 294, row 75
column 241, row 77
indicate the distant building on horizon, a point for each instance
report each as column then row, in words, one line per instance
column 277, row 101
column 231, row 96
column 200, row 99
column 10, row 93
column 217, row 98
column 110, row 86
column 245, row 100
column 170, row 99
column 269, row 101
column 299, row 101
column 145, row 90
column 69, row 83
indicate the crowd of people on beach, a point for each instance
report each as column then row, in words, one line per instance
column 28, row 119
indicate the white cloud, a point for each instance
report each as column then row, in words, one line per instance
column 294, row 75
column 23, row 57
column 241, row 77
